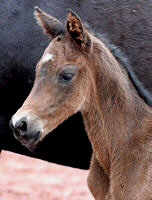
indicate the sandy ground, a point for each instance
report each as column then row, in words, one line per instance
column 24, row 178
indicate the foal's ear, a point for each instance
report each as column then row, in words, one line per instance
column 77, row 30
column 49, row 24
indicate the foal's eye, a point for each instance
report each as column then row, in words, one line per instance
column 67, row 73
column 66, row 77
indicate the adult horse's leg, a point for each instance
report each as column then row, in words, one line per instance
column 98, row 181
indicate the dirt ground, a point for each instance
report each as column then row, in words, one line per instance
column 24, row 178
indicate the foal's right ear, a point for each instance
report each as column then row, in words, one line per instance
column 49, row 24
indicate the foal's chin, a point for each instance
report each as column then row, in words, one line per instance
column 31, row 144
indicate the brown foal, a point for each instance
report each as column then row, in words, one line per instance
column 77, row 72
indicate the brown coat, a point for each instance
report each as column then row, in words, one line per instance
column 79, row 73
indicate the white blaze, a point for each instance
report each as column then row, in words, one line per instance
column 47, row 57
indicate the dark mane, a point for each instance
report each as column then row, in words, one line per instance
column 123, row 60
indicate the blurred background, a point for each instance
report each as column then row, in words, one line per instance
column 25, row 178
column 128, row 24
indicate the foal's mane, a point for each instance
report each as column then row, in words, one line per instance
column 123, row 60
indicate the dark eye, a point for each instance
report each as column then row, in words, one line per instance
column 66, row 77
column 59, row 38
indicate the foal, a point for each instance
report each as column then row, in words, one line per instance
column 77, row 72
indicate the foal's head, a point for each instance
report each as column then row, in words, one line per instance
column 62, row 79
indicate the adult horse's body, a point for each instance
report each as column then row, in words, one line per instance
column 127, row 23
column 78, row 72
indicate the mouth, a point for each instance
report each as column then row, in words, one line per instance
column 29, row 142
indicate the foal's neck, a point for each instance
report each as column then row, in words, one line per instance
column 113, row 111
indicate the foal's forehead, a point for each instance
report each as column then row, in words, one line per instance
column 48, row 54
column 47, row 57
column 60, row 52
column 54, row 47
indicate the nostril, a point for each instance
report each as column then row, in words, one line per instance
column 22, row 126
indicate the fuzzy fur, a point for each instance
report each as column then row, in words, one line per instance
column 117, row 120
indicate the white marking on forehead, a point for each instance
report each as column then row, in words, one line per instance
column 47, row 57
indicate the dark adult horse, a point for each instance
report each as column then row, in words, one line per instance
column 128, row 24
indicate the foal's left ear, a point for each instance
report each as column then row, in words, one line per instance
column 50, row 25
column 77, row 31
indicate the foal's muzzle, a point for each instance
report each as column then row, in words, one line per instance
column 26, row 131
